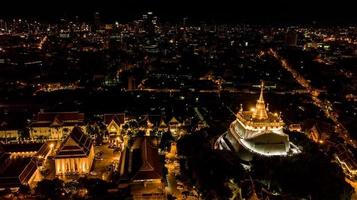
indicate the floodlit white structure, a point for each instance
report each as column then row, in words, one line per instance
column 258, row 131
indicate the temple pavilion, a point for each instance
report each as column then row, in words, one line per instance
column 75, row 155
column 257, row 131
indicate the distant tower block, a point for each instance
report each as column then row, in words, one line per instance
column 291, row 38
column 131, row 83
column 2, row 25
column 97, row 21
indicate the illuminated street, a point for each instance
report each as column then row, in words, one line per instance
column 323, row 105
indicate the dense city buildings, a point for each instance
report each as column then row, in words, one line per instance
column 160, row 108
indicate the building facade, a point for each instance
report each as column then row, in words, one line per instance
column 114, row 124
column 75, row 155
column 55, row 125
column 9, row 134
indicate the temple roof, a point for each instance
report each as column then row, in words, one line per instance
column 162, row 123
column 64, row 116
column 19, row 171
column 56, row 121
column 173, row 121
column 118, row 118
column 272, row 120
column 260, row 111
column 151, row 167
column 260, row 115
column 77, row 144
column 45, row 119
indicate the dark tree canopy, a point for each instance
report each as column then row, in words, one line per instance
column 96, row 187
column 50, row 188
column 309, row 174
column 207, row 168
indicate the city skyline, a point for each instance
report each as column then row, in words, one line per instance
column 225, row 11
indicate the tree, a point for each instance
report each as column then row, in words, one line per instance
column 166, row 140
column 124, row 193
column 24, row 189
column 50, row 188
column 310, row 173
column 90, row 129
column 24, row 133
column 96, row 187
column 125, row 126
column 207, row 168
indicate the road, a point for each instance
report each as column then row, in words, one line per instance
column 230, row 90
column 100, row 166
column 324, row 105
column 354, row 185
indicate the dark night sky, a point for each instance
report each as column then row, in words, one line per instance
column 219, row 10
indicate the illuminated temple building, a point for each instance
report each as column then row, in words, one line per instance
column 55, row 125
column 75, row 155
column 114, row 124
column 141, row 168
column 257, row 131
column 20, row 164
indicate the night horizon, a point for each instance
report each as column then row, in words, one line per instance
column 226, row 11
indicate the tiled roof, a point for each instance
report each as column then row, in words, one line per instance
column 18, row 172
column 118, row 118
column 58, row 119
column 151, row 167
column 80, row 148
column 65, row 116
column 173, row 121
column 162, row 124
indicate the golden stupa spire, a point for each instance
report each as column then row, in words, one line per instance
column 261, row 98
column 260, row 111
column 241, row 108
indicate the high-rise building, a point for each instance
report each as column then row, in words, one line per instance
column 291, row 38
column 3, row 25
column 149, row 22
column 97, row 21
column 131, row 83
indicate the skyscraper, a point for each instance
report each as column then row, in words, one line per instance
column 291, row 38
column 97, row 21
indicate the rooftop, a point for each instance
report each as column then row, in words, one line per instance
column 260, row 117
column 77, row 144
column 58, row 119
